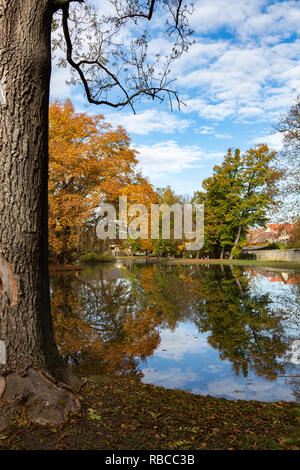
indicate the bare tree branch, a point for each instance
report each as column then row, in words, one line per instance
column 133, row 76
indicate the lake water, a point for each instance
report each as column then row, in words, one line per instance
column 224, row 331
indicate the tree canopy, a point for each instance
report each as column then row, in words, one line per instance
column 237, row 196
column 90, row 163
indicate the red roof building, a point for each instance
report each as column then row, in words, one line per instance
column 279, row 233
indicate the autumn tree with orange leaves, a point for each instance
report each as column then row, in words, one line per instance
column 90, row 163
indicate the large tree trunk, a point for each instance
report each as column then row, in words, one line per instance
column 26, row 333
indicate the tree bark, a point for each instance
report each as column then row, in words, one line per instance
column 26, row 330
column 237, row 239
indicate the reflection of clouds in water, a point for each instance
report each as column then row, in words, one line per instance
column 295, row 352
column 215, row 369
column 184, row 339
column 231, row 388
column 171, row 378
column 260, row 284
column 204, row 374
column 261, row 390
column 284, row 297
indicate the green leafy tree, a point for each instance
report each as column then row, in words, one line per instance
column 238, row 195
column 134, row 245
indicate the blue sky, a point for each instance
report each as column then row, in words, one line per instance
column 237, row 78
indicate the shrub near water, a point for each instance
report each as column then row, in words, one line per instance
column 94, row 258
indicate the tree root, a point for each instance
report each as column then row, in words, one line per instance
column 64, row 378
column 45, row 403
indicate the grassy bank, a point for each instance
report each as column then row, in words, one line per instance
column 121, row 413
column 95, row 258
column 241, row 262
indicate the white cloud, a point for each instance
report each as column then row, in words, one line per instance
column 211, row 131
column 244, row 82
column 209, row 16
column 274, row 141
column 258, row 18
column 215, row 111
column 279, row 19
column 249, row 72
column 169, row 157
column 206, row 130
column 104, row 7
column 223, row 136
column 148, row 121
column 59, row 88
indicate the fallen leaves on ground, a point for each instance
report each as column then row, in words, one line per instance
column 121, row 413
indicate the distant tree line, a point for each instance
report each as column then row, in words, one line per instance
column 91, row 163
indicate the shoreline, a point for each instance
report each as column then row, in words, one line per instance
column 55, row 268
column 294, row 265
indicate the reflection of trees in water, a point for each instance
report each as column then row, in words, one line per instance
column 285, row 297
column 241, row 324
column 164, row 288
column 103, row 327
column 245, row 326
column 111, row 324
column 294, row 383
column 284, row 293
